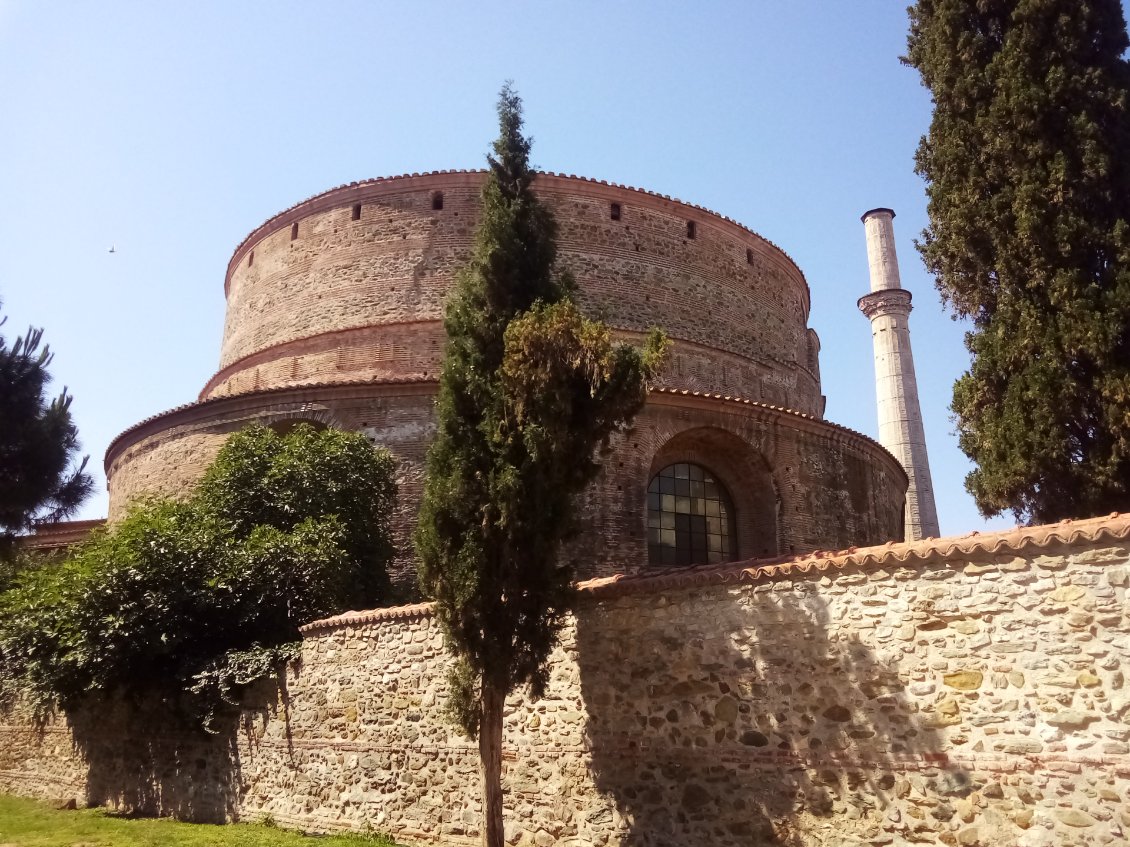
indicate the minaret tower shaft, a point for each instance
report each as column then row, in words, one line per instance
column 900, row 416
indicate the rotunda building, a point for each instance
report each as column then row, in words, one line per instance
column 334, row 316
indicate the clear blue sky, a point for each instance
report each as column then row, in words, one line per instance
column 170, row 130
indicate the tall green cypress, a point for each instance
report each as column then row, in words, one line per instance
column 529, row 392
column 1028, row 169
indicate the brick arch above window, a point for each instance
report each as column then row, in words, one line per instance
column 283, row 421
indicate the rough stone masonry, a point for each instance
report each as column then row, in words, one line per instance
column 964, row 691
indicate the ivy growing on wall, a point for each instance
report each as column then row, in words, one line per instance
column 193, row 600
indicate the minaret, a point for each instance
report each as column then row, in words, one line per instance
column 900, row 417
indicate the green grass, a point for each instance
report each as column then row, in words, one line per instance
column 26, row 823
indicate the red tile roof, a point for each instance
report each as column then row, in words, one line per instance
column 1114, row 528
column 62, row 534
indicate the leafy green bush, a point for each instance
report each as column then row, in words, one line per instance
column 15, row 560
column 194, row 600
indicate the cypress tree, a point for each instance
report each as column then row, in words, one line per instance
column 530, row 391
column 1029, row 239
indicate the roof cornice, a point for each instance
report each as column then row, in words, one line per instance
column 349, row 193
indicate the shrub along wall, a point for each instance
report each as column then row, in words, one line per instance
column 963, row 691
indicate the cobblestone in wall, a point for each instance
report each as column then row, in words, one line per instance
column 967, row 692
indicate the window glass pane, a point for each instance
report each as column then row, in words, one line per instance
column 689, row 517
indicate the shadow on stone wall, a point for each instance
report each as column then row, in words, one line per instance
column 728, row 716
column 147, row 759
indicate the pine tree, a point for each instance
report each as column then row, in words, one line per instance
column 38, row 441
column 529, row 392
column 1028, row 178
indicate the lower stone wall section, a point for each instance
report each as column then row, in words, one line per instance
column 964, row 692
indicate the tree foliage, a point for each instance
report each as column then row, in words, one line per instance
column 1029, row 238
column 194, row 599
column 39, row 479
column 530, row 390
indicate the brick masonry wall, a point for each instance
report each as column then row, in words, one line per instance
column 969, row 691
column 798, row 484
column 348, row 288
column 316, row 292
column 167, row 456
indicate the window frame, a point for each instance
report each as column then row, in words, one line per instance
column 691, row 517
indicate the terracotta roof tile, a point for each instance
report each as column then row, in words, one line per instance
column 395, row 613
column 61, row 534
column 782, row 409
column 414, row 380
column 264, row 392
column 1114, row 527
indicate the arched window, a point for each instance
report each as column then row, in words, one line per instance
column 285, row 426
column 690, row 518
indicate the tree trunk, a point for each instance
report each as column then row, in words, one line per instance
column 490, row 763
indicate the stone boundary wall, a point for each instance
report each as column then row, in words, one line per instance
column 964, row 691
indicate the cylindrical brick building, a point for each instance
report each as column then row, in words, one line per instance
column 334, row 315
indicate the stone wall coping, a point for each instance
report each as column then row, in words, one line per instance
column 393, row 613
column 1112, row 527
column 328, row 199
